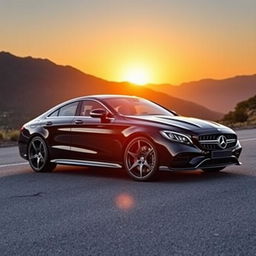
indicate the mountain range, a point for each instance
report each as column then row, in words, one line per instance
column 219, row 95
column 29, row 86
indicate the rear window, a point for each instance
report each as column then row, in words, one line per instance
column 55, row 113
column 69, row 109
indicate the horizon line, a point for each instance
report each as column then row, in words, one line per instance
column 116, row 81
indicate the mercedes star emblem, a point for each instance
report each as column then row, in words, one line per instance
column 222, row 140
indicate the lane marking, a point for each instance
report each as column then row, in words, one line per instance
column 250, row 139
column 15, row 164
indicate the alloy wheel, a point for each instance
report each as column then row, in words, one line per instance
column 37, row 153
column 140, row 158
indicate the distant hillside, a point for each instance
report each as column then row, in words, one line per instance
column 243, row 115
column 219, row 95
column 29, row 86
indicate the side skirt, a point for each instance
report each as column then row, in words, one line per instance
column 85, row 163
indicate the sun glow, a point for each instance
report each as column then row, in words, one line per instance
column 137, row 75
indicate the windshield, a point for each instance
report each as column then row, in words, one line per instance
column 136, row 107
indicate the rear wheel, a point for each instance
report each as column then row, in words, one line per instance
column 140, row 159
column 213, row 169
column 38, row 155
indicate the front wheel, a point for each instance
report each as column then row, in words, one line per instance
column 140, row 159
column 212, row 170
column 38, row 155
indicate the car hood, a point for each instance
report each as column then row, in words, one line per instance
column 185, row 123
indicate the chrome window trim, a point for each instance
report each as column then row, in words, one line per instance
column 79, row 101
column 59, row 107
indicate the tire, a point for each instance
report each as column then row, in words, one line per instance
column 141, row 159
column 212, row 170
column 38, row 155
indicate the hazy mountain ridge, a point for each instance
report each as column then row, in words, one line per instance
column 29, row 86
column 218, row 94
column 243, row 115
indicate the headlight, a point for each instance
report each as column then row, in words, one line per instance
column 178, row 137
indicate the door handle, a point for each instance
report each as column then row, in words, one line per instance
column 49, row 123
column 78, row 121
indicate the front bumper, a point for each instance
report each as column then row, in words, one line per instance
column 205, row 164
column 23, row 150
column 193, row 158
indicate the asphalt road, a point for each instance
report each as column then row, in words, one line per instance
column 82, row 211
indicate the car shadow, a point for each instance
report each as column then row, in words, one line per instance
column 92, row 172
column 162, row 176
column 195, row 176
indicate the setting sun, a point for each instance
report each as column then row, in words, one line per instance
column 137, row 75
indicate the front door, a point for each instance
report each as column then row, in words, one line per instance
column 92, row 138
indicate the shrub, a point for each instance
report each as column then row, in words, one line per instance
column 229, row 116
column 13, row 135
column 240, row 115
column 1, row 136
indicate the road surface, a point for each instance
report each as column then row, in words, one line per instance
column 83, row 211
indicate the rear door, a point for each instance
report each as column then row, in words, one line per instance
column 58, row 126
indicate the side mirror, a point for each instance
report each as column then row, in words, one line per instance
column 98, row 113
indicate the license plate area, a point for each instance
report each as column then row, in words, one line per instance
column 221, row 154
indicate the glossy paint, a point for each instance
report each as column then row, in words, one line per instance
column 95, row 141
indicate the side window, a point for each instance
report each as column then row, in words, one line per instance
column 88, row 106
column 55, row 113
column 68, row 110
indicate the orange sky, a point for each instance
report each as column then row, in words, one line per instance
column 171, row 41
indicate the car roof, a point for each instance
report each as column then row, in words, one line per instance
column 104, row 96
column 95, row 97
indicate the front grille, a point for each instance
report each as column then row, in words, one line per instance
column 210, row 141
column 215, row 136
column 208, row 137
